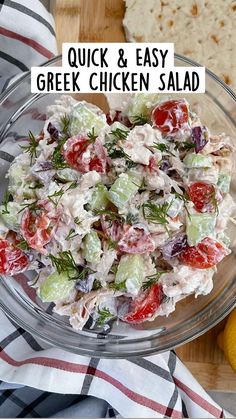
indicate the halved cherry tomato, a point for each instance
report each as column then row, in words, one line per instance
column 136, row 240
column 12, row 259
column 170, row 116
column 145, row 305
column 112, row 228
column 205, row 255
column 83, row 155
column 39, row 225
column 202, row 195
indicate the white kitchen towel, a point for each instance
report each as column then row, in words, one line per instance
column 155, row 386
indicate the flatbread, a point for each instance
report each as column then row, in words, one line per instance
column 203, row 30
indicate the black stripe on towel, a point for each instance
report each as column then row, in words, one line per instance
column 29, row 12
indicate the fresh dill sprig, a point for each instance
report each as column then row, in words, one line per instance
column 152, row 279
column 77, row 220
column 5, row 201
column 56, row 196
column 112, row 215
column 91, row 135
column 71, row 234
column 185, row 199
column 37, row 185
column 187, row 145
column 120, row 134
column 31, row 205
column 73, row 185
column 117, row 286
column 23, row 245
column 131, row 218
column 112, row 244
column 58, row 160
column 31, row 148
column 65, row 125
column 156, row 213
column 163, row 148
column 104, row 315
column 139, row 119
column 66, row 263
column 119, row 153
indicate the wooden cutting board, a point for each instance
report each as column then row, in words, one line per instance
column 101, row 21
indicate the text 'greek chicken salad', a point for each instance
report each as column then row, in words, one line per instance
column 121, row 215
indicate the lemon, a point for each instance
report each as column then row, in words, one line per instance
column 227, row 340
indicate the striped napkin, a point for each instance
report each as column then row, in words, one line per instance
column 27, row 37
column 39, row 380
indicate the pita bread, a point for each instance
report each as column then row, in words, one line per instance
column 203, row 30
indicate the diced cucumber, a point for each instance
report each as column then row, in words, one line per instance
column 122, row 190
column 84, row 120
column 68, row 175
column 16, row 177
column 99, row 198
column 199, row 226
column 176, row 205
column 118, row 125
column 140, row 105
column 92, row 247
column 11, row 219
column 224, row 182
column 131, row 270
column 56, row 287
column 224, row 239
column 194, row 161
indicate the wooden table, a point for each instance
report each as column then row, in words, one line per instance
column 101, row 21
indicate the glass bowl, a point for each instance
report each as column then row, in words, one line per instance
column 22, row 111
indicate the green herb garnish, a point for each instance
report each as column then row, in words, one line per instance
column 23, row 245
column 77, row 220
column 5, row 201
column 185, row 199
column 120, row 134
column 187, row 145
column 104, row 315
column 131, row 218
column 71, row 234
column 91, row 135
column 152, row 279
column 31, row 148
column 139, row 119
column 58, row 160
column 156, row 213
column 56, row 196
column 31, row 205
column 112, row 215
column 117, row 286
column 73, row 185
column 66, row 263
column 37, row 185
column 163, row 148
column 65, row 122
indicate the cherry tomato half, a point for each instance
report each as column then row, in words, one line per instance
column 12, row 259
column 38, row 226
column 170, row 116
column 145, row 305
column 202, row 195
column 205, row 255
column 136, row 240
column 83, row 155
